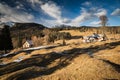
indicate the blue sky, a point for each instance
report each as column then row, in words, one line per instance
column 58, row 12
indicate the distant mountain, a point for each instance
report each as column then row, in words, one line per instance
column 27, row 29
column 10, row 23
column 23, row 26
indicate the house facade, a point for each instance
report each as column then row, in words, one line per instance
column 28, row 44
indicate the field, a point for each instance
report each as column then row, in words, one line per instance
column 74, row 61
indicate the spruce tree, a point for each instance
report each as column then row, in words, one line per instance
column 5, row 39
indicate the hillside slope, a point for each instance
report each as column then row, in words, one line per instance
column 26, row 28
column 70, row 62
column 74, row 61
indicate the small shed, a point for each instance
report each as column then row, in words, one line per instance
column 28, row 44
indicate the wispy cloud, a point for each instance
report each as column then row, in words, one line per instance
column 52, row 10
column 19, row 5
column 34, row 2
column 85, row 15
column 95, row 23
column 101, row 12
column 87, row 3
column 116, row 12
column 12, row 14
column 81, row 18
column 88, row 14
column 49, row 8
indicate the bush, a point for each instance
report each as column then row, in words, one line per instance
column 58, row 36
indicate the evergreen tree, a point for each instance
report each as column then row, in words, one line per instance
column 5, row 39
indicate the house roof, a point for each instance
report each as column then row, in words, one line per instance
column 30, row 42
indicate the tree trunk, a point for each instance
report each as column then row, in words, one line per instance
column 5, row 51
column 64, row 43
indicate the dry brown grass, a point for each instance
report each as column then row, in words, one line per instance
column 77, row 33
column 112, row 55
column 76, row 65
column 84, row 68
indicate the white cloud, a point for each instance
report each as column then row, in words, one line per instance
column 81, row 18
column 88, row 14
column 116, row 12
column 87, row 3
column 101, row 12
column 33, row 2
column 20, row 6
column 64, row 20
column 12, row 14
column 95, row 23
column 84, row 16
column 75, row 22
column 52, row 10
column 48, row 23
column 53, row 22
column 55, row 12
column 35, row 5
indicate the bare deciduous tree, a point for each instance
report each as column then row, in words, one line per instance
column 103, row 19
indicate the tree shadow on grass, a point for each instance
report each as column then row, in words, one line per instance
column 115, row 66
column 77, row 37
column 109, row 79
column 26, row 51
column 23, row 70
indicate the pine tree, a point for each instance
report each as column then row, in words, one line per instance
column 5, row 39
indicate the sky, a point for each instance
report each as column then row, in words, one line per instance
column 60, row 12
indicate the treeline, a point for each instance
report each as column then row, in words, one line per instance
column 40, row 34
column 20, row 32
column 39, row 37
column 52, row 35
column 110, row 29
